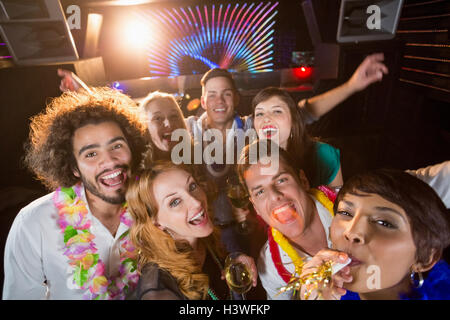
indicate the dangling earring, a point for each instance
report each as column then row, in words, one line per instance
column 416, row 284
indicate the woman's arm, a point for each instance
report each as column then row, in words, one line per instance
column 369, row 71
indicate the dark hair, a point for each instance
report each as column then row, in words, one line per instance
column 216, row 73
column 300, row 144
column 259, row 149
column 427, row 214
column 49, row 151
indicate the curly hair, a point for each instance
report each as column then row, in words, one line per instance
column 49, row 149
column 155, row 245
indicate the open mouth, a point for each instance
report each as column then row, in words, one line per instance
column 269, row 131
column 219, row 110
column 199, row 218
column 285, row 214
column 167, row 136
column 114, row 179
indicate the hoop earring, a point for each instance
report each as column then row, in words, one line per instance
column 416, row 284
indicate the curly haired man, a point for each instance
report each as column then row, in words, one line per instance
column 73, row 243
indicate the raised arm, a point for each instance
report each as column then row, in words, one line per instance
column 369, row 71
column 70, row 81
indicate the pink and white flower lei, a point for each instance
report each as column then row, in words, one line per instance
column 88, row 268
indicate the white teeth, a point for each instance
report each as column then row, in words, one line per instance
column 197, row 216
column 284, row 208
column 219, row 110
column 112, row 175
column 269, row 129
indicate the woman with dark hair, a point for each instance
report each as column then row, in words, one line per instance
column 394, row 228
column 276, row 116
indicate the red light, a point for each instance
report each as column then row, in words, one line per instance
column 303, row 72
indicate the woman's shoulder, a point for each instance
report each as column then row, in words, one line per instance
column 155, row 279
column 327, row 159
column 323, row 148
column 436, row 285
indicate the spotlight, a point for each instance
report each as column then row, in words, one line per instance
column 136, row 34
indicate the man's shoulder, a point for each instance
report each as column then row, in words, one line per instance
column 264, row 255
column 37, row 209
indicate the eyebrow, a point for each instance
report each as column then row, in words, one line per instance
column 214, row 90
column 169, row 195
column 96, row 145
column 274, row 106
column 273, row 178
column 378, row 208
column 387, row 209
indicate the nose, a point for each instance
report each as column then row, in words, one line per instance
column 195, row 203
column 267, row 118
column 108, row 160
column 355, row 231
column 275, row 195
column 221, row 98
column 166, row 122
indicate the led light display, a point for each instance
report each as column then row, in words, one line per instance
column 190, row 40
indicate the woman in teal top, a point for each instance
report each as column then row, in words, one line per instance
column 276, row 116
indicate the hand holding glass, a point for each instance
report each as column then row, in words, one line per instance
column 238, row 273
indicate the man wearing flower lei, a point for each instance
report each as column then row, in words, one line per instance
column 73, row 243
column 298, row 217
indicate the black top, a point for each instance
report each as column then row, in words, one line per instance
column 156, row 283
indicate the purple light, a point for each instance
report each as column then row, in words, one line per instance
column 234, row 36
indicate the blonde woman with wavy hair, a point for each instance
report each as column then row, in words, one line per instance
column 163, row 116
column 179, row 252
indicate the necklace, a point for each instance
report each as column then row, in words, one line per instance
column 277, row 239
column 219, row 264
column 87, row 269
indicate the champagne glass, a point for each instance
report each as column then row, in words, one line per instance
column 238, row 273
column 239, row 199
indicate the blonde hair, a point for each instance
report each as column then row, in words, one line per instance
column 156, row 246
column 144, row 105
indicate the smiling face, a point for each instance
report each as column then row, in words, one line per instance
column 219, row 99
column 374, row 231
column 163, row 118
column 273, row 120
column 102, row 156
column 280, row 199
column 182, row 206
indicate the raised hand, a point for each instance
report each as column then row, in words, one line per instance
column 369, row 71
column 68, row 82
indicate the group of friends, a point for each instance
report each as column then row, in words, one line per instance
column 124, row 221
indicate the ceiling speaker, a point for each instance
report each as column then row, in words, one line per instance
column 362, row 20
column 36, row 32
